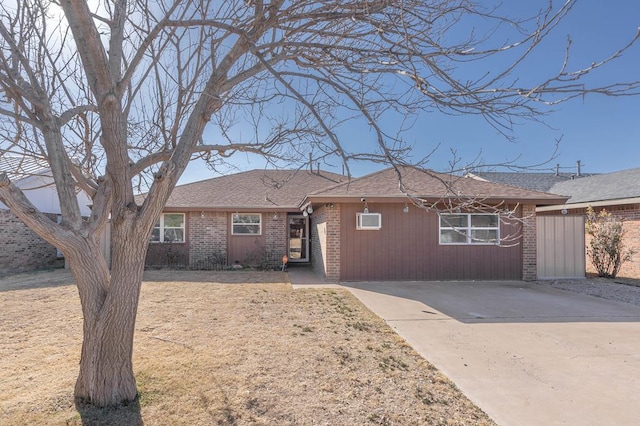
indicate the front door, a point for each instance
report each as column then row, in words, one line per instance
column 298, row 238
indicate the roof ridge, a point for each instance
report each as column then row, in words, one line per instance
column 348, row 182
column 510, row 185
column 256, row 188
column 255, row 171
column 601, row 175
column 428, row 183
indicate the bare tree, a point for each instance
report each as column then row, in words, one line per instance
column 117, row 95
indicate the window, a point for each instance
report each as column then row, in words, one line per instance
column 469, row 228
column 169, row 229
column 246, row 224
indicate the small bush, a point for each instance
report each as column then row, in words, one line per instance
column 216, row 261
column 606, row 249
column 264, row 259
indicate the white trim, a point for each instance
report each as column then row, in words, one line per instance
column 617, row 202
column 162, row 228
column 476, row 177
column 233, row 215
column 467, row 230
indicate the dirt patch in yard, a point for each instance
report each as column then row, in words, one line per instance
column 223, row 348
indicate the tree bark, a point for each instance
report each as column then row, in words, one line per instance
column 109, row 304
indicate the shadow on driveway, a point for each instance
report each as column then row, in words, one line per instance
column 526, row 353
column 493, row 302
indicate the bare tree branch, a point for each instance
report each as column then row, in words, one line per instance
column 121, row 95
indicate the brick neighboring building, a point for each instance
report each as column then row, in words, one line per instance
column 353, row 230
column 20, row 248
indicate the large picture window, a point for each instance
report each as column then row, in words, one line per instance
column 169, row 229
column 246, row 224
column 469, row 228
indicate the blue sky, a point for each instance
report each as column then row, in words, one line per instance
column 602, row 132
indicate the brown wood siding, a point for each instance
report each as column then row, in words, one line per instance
column 246, row 249
column 407, row 248
column 171, row 255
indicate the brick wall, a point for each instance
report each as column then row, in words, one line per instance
column 276, row 235
column 21, row 249
column 529, row 248
column 630, row 215
column 325, row 242
column 333, row 243
column 207, row 237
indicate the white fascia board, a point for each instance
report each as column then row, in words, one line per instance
column 618, row 202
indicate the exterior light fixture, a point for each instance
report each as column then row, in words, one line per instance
column 406, row 208
column 201, row 215
column 309, row 209
column 275, row 216
column 304, row 213
column 366, row 208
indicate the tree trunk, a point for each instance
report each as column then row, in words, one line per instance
column 109, row 304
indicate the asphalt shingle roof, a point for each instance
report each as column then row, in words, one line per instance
column 604, row 187
column 267, row 189
column 431, row 185
column 533, row 181
column 286, row 189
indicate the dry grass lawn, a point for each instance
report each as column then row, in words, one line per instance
column 225, row 348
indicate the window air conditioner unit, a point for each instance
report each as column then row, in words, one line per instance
column 368, row 221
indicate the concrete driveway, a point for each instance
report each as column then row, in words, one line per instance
column 527, row 354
